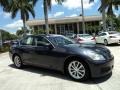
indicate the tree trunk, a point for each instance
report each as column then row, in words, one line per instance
column 83, row 20
column 46, row 16
column 103, row 17
column 24, row 26
column 104, row 20
column 1, row 38
column 111, row 22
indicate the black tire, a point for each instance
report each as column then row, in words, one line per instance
column 17, row 61
column 105, row 42
column 86, row 74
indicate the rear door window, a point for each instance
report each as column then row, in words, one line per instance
column 41, row 41
column 102, row 34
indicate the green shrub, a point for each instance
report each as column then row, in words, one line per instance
column 4, row 49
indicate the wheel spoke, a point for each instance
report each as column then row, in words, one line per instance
column 78, row 76
column 72, row 66
column 77, row 64
column 80, row 66
column 74, row 72
column 80, row 73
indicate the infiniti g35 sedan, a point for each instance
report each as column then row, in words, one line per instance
column 61, row 53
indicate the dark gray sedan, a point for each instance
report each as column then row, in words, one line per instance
column 60, row 53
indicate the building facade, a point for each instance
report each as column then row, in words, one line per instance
column 67, row 24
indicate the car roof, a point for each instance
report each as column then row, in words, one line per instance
column 83, row 34
column 46, row 35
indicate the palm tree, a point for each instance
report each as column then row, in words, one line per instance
column 103, row 14
column 109, row 5
column 83, row 20
column 47, row 5
column 24, row 7
column 3, row 3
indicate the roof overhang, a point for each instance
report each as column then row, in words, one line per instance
column 64, row 20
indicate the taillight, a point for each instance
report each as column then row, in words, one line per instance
column 80, row 39
column 112, row 36
column 93, row 38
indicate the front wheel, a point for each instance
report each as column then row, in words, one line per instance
column 17, row 61
column 77, row 70
column 105, row 42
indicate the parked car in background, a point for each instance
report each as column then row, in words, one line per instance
column 85, row 39
column 70, row 35
column 109, row 37
column 7, row 42
column 61, row 53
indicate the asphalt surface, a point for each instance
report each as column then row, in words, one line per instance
column 33, row 78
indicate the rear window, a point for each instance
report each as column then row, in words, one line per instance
column 85, row 35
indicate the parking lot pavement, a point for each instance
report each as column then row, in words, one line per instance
column 33, row 78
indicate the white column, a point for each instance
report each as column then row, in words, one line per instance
column 55, row 29
column 83, row 20
column 78, row 29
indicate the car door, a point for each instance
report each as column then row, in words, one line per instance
column 27, row 46
column 47, row 55
column 43, row 52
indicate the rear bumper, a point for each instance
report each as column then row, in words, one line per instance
column 102, row 68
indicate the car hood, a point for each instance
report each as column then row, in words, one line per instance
column 100, row 49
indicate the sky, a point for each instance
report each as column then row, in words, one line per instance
column 70, row 8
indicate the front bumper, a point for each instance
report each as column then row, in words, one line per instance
column 99, row 69
column 114, row 40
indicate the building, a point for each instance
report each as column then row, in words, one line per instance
column 66, row 25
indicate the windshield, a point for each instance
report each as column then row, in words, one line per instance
column 113, row 32
column 61, row 40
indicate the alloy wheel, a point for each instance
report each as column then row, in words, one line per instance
column 105, row 42
column 76, row 70
column 17, row 61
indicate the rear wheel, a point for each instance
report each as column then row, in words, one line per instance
column 77, row 70
column 105, row 42
column 17, row 61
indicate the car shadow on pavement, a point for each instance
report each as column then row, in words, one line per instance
column 53, row 73
column 110, row 45
column 113, row 45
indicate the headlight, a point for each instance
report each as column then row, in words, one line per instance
column 93, row 55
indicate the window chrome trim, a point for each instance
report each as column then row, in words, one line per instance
column 46, row 39
column 50, row 42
